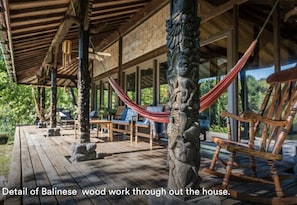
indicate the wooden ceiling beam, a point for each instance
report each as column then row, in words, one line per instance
column 33, row 39
column 28, row 72
column 221, row 9
column 38, row 13
column 28, row 35
column 35, row 21
column 113, row 3
column 32, row 48
column 112, row 14
column 36, row 4
column 70, row 77
column 64, row 27
column 33, row 28
column 113, row 10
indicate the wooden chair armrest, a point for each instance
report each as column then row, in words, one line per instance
column 235, row 117
column 255, row 153
column 232, row 146
column 250, row 117
column 224, row 142
column 254, row 116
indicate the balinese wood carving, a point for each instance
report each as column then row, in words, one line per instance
column 182, row 76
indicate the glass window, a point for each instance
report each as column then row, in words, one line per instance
column 114, row 98
column 146, row 86
column 97, row 96
column 130, row 86
column 163, row 92
column 104, row 104
column 212, row 68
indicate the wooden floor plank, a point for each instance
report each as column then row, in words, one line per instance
column 51, row 172
column 56, row 157
column 28, row 176
column 15, row 178
column 40, row 173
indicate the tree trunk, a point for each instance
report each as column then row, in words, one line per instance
column 183, row 76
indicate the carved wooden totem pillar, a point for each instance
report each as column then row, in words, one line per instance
column 83, row 73
column 83, row 86
column 183, row 76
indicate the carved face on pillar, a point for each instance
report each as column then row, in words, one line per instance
column 186, row 65
column 182, row 64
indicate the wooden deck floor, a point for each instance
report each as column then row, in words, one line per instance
column 41, row 162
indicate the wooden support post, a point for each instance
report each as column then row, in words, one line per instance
column 38, row 103
column 53, row 69
column 276, row 38
column 53, row 119
column 120, row 64
column 83, row 86
column 42, row 100
column 72, row 96
column 183, row 76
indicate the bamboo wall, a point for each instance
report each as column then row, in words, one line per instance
column 150, row 35
column 109, row 62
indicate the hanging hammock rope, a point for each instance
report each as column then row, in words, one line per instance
column 209, row 98
column 162, row 117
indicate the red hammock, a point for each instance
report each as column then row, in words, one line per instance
column 205, row 101
column 209, row 98
column 155, row 116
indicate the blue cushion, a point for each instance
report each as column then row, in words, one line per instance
column 129, row 114
column 155, row 108
column 124, row 113
column 120, row 121
column 146, row 122
column 157, row 126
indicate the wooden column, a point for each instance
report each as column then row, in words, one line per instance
column 38, row 103
column 42, row 100
column 232, row 56
column 121, row 80
column 155, row 82
column 183, row 76
column 83, row 86
column 83, row 74
column 53, row 70
column 53, row 119
column 276, row 38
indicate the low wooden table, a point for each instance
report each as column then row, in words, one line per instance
column 97, row 123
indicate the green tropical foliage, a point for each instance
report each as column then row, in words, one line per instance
column 16, row 103
column 256, row 91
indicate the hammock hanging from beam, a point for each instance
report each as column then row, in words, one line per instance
column 205, row 101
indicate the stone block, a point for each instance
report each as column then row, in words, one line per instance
column 53, row 132
column 41, row 125
column 83, row 152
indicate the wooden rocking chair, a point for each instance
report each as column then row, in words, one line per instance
column 267, row 131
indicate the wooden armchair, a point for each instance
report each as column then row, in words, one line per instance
column 146, row 128
column 123, row 124
column 267, row 131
